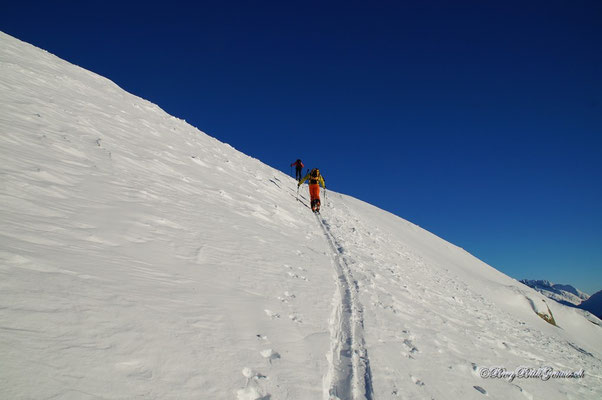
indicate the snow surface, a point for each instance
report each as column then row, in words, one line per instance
column 141, row 258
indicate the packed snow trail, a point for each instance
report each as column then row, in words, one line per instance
column 349, row 376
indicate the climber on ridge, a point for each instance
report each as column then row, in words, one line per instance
column 298, row 169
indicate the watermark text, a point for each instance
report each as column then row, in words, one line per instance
column 543, row 373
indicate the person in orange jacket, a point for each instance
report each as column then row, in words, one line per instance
column 298, row 168
column 315, row 180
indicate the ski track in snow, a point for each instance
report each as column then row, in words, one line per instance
column 349, row 376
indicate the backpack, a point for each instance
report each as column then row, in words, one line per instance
column 314, row 176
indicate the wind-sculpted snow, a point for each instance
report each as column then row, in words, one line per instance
column 139, row 255
column 141, row 258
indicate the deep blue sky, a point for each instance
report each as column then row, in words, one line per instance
column 480, row 121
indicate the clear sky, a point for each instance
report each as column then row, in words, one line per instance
column 480, row 121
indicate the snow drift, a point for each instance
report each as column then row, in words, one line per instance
column 143, row 258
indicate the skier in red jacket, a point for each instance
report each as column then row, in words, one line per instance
column 298, row 169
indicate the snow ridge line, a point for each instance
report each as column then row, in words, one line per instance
column 349, row 375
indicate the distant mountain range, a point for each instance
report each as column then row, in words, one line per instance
column 568, row 295
column 561, row 293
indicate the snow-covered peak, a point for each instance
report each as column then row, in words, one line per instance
column 143, row 258
column 564, row 294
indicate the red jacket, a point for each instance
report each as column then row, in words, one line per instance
column 298, row 164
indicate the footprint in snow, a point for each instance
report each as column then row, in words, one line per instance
column 253, row 389
column 272, row 314
column 416, row 381
column 385, row 307
column 250, row 374
column 286, row 297
column 295, row 276
column 295, row 318
column 411, row 349
column 269, row 355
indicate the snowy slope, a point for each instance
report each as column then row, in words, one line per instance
column 143, row 258
column 140, row 257
column 564, row 294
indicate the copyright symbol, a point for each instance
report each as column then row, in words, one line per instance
column 485, row 373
